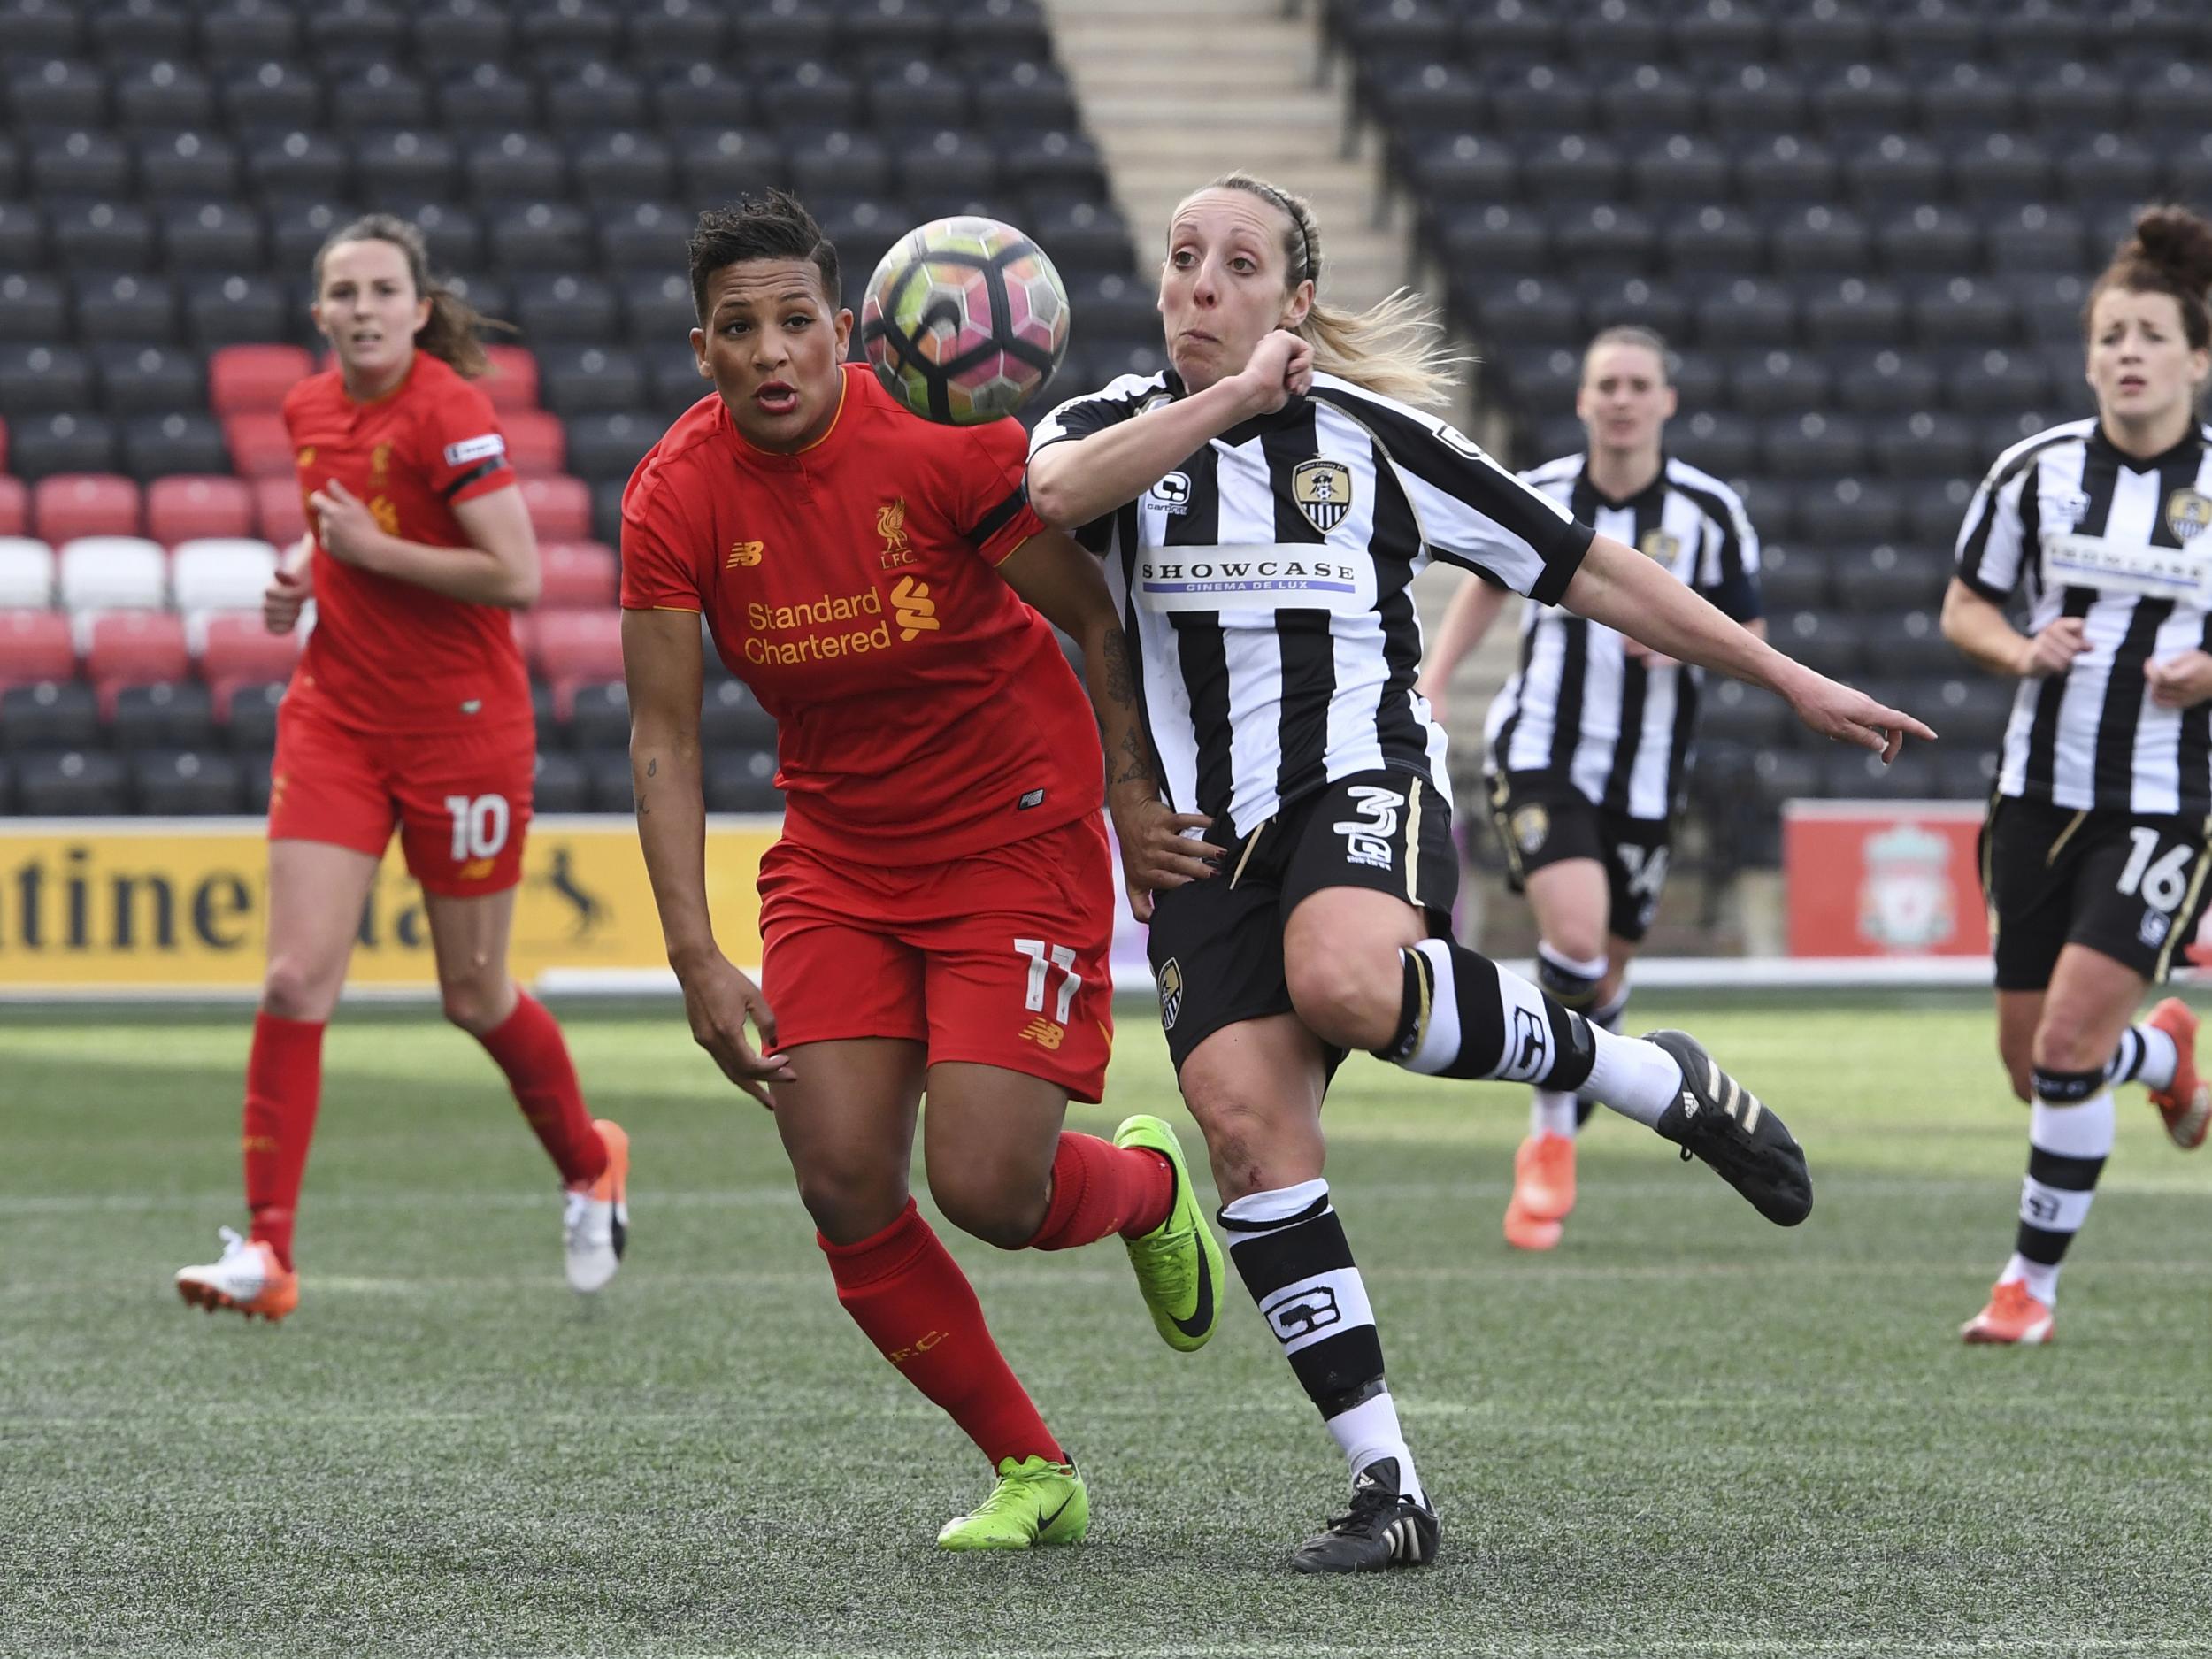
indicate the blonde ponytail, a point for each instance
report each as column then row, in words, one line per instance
column 1394, row 347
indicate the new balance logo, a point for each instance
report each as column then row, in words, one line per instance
column 1044, row 1033
column 745, row 554
column 917, row 611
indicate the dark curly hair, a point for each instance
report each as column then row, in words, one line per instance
column 776, row 226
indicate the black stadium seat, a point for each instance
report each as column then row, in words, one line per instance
column 169, row 169
column 76, row 783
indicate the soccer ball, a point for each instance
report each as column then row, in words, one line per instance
column 965, row 320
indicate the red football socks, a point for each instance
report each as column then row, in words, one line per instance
column 1099, row 1188
column 911, row 1298
column 528, row 1048
column 284, row 1085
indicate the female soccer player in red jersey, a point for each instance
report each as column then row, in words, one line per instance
column 938, row 914
column 410, row 708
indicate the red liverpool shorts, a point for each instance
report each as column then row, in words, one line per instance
column 998, row 958
column 461, row 799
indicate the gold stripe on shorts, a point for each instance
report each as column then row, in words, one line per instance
column 1413, row 844
column 2188, row 906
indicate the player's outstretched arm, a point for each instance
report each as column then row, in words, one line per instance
column 1063, row 583
column 1077, row 480
column 498, row 568
column 662, row 664
column 1467, row 621
column 1619, row 586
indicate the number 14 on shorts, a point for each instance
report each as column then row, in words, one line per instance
column 1043, row 958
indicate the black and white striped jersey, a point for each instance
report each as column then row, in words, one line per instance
column 2079, row 529
column 1265, row 586
column 1579, row 706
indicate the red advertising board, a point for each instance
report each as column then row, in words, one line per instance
column 1884, row 879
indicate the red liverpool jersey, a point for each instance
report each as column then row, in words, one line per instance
column 388, row 656
column 923, row 712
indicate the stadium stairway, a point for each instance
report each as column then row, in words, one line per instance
column 1151, row 76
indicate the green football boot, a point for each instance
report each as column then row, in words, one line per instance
column 1179, row 1265
column 1034, row 1502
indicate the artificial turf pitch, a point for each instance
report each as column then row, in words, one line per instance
column 1683, row 1432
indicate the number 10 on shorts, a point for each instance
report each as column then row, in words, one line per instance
column 479, row 825
column 1043, row 957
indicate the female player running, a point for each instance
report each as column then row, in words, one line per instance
column 1588, row 744
column 410, row 708
column 2095, row 855
column 938, row 915
column 1262, row 508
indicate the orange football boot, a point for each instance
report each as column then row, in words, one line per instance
column 2012, row 1316
column 2186, row 1106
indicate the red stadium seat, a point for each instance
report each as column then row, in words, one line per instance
column 574, row 648
column 242, row 378
column 259, row 445
column 578, row 575
column 71, row 504
column 537, row 443
column 135, row 648
column 15, row 506
column 35, row 645
column 188, row 509
column 513, row 381
column 279, row 512
column 239, row 651
column 560, row 508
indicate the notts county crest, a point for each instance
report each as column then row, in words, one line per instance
column 1170, row 992
column 1531, row 824
column 1323, row 490
column 1659, row 545
column 2187, row 513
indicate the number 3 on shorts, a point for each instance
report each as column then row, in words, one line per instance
column 1060, row 956
column 479, row 825
column 2164, row 883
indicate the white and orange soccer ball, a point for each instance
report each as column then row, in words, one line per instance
column 965, row 320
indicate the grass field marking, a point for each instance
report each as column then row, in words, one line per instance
column 749, row 1197
column 1063, row 1277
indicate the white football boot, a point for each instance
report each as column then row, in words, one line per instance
column 596, row 1223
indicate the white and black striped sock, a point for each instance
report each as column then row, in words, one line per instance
column 1290, row 1249
column 2145, row 1055
column 2070, row 1135
column 1464, row 1015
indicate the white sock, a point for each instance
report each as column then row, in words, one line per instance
column 1551, row 1112
column 1370, row 1431
column 1636, row 1079
column 2042, row 1282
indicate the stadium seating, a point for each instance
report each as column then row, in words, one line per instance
column 168, row 172
column 1867, row 229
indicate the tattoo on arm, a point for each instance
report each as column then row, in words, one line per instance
column 1135, row 764
column 1121, row 673
column 652, row 769
column 1132, row 763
